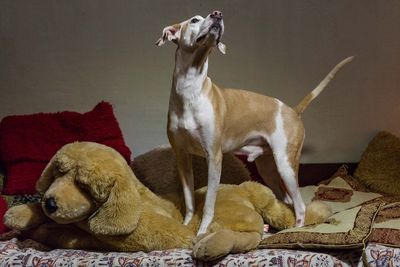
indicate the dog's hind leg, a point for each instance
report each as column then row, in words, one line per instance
column 287, row 166
column 267, row 169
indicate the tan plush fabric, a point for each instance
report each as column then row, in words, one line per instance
column 160, row 162
column 92, row 200
column 379, row 167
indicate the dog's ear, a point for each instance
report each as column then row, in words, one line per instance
column 59, row 164
column 170, row 33
column 221, row 48
column 119, row 201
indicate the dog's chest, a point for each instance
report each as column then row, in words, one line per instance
column 193, row 124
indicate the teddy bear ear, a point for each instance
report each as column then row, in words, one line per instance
column 120, row 208
column 58, row 163
column 46, row 178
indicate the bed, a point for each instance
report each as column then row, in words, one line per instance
column 18, row 252
column 29, row 253
column 369, row 240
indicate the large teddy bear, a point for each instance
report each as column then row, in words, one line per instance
column 92, row 200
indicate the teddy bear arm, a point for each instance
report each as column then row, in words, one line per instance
column 278, row 214
column 274, row 212
column 218, row 244
column 25, row 216
column 65, row 236
column 156, row 231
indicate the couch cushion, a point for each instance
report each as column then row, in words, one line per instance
column 386, row 228
column 349, row 226
column 379, row 167
column 337, row 194
column 346, row 229
column 27, row 142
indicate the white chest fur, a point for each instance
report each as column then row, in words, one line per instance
column 195, row 115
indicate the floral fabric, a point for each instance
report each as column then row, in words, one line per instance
column 27, row 253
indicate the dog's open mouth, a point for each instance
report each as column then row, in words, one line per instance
column 201, row 38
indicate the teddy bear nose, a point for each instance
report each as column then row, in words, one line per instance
column 50, row 205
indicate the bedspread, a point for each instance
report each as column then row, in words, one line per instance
column 27, row 253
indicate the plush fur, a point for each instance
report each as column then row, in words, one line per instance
column 161, row 162
column 93, row 200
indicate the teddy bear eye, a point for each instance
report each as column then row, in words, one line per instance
column 194, row 20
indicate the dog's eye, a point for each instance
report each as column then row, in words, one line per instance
column 194, row 20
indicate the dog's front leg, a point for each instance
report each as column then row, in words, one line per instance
column 185, row 172
column 214, row 161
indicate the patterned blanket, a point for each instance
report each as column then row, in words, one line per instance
column 30, row 253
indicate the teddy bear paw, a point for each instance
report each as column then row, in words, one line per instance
column 213, row 245
column 19, row 217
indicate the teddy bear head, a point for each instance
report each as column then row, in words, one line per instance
column 91, row 183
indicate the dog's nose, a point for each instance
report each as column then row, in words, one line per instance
column 50, row 204
column 216, row 14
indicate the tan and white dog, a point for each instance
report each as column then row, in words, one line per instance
column 206, row 120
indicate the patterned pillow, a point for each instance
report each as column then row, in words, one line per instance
column 337, row 194
column 14, row 200
column 386, row 228
column 343, row 173
column 349, row 226
column 344, row 230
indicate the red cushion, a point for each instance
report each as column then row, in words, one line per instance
column 27, row 142
column 3, row 209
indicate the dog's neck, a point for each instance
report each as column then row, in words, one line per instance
column 190, row 73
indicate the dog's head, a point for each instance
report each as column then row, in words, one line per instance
column 196, row 32
column 86, row 181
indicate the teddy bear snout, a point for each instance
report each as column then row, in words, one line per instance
column 50, row 205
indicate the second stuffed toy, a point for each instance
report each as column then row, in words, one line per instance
column 92, row 200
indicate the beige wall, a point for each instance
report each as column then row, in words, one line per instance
column 69, row 55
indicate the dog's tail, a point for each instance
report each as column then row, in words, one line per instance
column 314, row 93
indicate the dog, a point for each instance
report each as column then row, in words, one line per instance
column 206, row 120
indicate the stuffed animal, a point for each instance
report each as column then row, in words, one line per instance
column 161, row 162
column 92, row 200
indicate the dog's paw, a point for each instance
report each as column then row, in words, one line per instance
column 213, row 245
